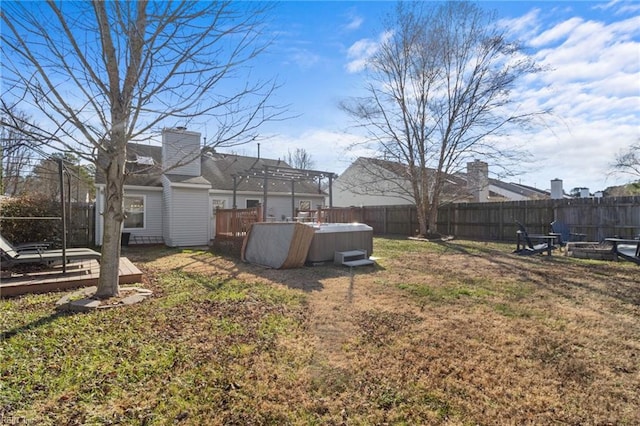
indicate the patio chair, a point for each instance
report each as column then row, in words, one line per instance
column 524, row 242
column 563, row 233
column 38, row 254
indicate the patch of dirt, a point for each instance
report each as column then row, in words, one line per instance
column 84, row 299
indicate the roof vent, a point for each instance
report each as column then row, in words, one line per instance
column 144, row 160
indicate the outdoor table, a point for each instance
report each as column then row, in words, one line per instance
column 617, row 241
column 521, row 243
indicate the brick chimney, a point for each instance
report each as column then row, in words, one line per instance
column 478, row 181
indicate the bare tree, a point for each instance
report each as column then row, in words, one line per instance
column 103, row 74
column 437, row 96
column 16, row 150
column 44, row 178
column 628, row 161
column 300, row 159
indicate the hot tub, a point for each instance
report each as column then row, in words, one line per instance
column 331, row 237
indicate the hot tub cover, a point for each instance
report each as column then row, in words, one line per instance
column 277, row 245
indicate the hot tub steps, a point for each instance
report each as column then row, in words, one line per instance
column 352, row 258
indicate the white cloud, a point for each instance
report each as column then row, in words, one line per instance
column 303, row 58
column 359, row 52
column 524, row 27
column 331, row 151
column 556, row 33
column 621, row 7
column 354, row 23
column 593, row 87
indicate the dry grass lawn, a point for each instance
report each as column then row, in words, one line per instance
column 436, row 333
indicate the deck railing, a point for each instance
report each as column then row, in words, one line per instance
column 234, row 223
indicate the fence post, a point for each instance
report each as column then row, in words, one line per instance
column 384, row 220
column 501, row 221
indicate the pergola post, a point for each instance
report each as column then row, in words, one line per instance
column 293, row 199
column 264, row 195
column 330, row 190
column 283, row 174
column 235, row 187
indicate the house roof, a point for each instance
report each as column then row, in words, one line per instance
column 191, row 180
column 140, row 171
column 219, row 169
column 454, row 188
column 456, row 184
column 144, row 168
column 526, row 191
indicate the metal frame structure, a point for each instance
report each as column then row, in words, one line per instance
column 282, row 174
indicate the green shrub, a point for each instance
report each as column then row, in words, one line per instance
column 36, row 230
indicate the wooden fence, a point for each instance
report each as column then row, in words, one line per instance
column 234, row 223
column 598, row 218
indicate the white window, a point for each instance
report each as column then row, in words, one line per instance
column 143, row 160
column 305, row 205
column 217, row 204
column 134, row 212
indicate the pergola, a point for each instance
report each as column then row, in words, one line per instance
column 279, row 173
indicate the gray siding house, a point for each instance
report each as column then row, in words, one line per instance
column 376, row 182
column 172, row 191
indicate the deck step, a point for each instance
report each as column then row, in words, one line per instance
column 359, row 262
column 351, row 258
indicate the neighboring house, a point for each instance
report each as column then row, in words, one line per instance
column 172, row 191
column 509, row 191
column 375, row 182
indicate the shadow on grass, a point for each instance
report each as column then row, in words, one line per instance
column 563, row 275
column 225, row 267
column 560, row 275
column 8, row 334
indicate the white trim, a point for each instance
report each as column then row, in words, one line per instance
column 144, row 213
column 251, row 199
column 305, row 201
column 190, row 185
column 143, row 188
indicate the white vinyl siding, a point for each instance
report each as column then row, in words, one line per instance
column 188, row 218
column 370, row 189
column 279, row 205
column 166, row 211
column 152, row 212
column 99, row 214
column 152, row 215
column 181, row 147
column 134, row 215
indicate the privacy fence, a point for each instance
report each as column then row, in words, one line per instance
column 598, row 218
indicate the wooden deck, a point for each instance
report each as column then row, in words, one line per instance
column 79, row 274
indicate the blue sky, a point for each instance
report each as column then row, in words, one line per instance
column 591, row 48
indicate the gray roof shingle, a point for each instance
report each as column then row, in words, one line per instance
column 217, row 169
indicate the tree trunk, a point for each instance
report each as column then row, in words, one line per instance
column 422, row 213
column 432, row 218
column 113, row 218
